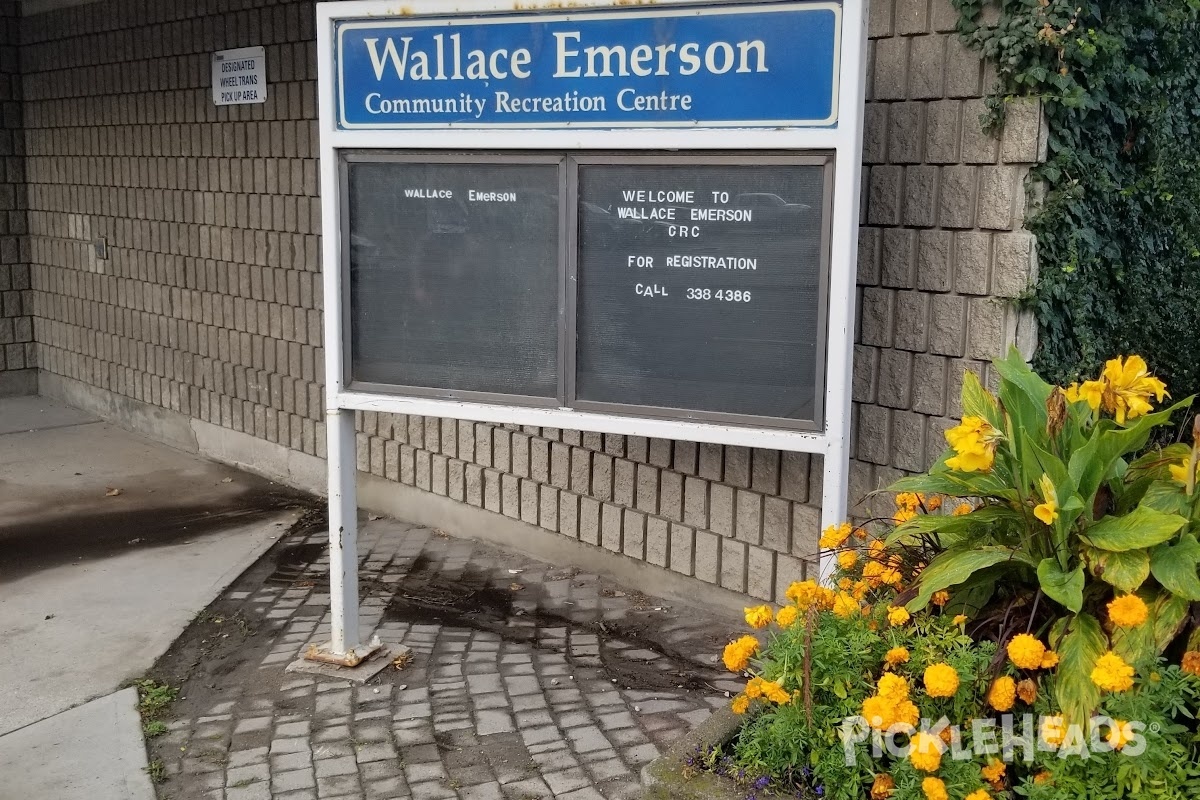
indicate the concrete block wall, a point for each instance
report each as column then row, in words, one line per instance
column 209, row 303
column 18, row 357
column 942, row 252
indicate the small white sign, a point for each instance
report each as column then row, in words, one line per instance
column 239, row 76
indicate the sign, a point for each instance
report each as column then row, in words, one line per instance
column 718, row 66
column 454, row 276
column 703, row 287
column 239, row 77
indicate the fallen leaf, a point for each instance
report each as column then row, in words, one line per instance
column 111, row 492
column 227, row 480
column 515, row 587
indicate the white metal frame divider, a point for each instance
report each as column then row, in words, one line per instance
column 844, row 140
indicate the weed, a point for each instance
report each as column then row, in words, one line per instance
column 244, row 782
column 154, row 727
column 156, row 770
column 154, row 697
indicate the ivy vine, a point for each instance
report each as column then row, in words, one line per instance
column 1116, row 208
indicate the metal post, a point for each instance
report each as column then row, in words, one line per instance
column 343, row 530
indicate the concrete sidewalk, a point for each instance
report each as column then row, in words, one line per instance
column 110, row 544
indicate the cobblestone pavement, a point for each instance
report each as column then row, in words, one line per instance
column 527, row 681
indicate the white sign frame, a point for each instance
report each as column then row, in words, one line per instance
column 844, row 141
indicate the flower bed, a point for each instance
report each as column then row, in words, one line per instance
column 1021, row 628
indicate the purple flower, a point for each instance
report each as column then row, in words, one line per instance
column 762, row 782
column 820, row 791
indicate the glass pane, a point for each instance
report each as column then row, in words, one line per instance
column 700, row 288
column 454, row 276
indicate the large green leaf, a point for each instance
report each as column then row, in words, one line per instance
column 1126, row 571
column 940, row 480
column 954, row 566
column 1091, row 464
column 952, row 529
column 1174, row 566
column 1145, row 642
column 1016, row 376
column 1080, row 642
column 1142, row 527
column 1168, row 497
column 1064, row 588
column 979, row 402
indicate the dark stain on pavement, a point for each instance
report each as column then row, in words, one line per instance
column 36, row 544
column 471, row 600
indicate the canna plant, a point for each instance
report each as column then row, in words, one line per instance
column 1063, row 529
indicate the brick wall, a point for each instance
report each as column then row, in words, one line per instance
column 18, row 359
column 941, row 250
column 209, row 304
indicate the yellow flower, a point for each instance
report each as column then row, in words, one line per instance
column 758, row 617
column 1026, row 651
column 1191, row 662
column 1112, row 674
column 960, row 619
column 808, row 594
column 925, row 751
column 933, row 503
column 892, row 687
column 1047, row 511
column 787, row 616
column 1053, row 730
column 891, row 577
column 941, row 680
column 1128, row 611
column 1042, row 777
column 974, row 443
column 740, row 704
column 897, row 655
column 883, row 787
column 934, row 789
column 1002, row 693
column 978, row 794
column 1120, row 733
column 941, row 598
column 771, row 690
column 1091, row 391
column 1179, row 471
column 903, row 515
column 993, row 773
column 1027, row 690
column 845, row 606
column 1050, row 659
column 737, row 653
column 1129, row 388
column 754, row 687
column 835, row 536
column 897, row 616
column 962, row 509
column 908, row 500
column 847, row 558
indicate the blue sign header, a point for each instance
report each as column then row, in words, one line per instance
column 770, row 65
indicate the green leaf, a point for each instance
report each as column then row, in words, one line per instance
column 957, row 565
column 979, row 402
column 1079, row 641
column 1169, row 613
column 1168, row 497
column 1142, row 527
column 1174, row 566
column 1142, row 644
column 951, row 529
column 1126, row 571
column 1091, row 464
column 940, row 480
column 1064, row 588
